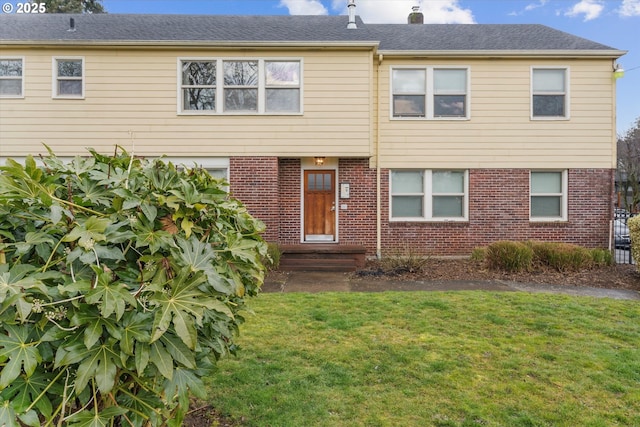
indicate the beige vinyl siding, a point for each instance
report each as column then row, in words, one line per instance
column 500, row 132
column 131, row 99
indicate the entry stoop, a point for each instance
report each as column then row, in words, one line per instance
column 322, row 257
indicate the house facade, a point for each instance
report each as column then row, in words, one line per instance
column 440, row 138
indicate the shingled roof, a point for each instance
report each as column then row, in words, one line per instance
column 287, row 30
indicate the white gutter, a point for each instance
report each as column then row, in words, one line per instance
column 190, row 44
column 551, row 53
column 378, row 171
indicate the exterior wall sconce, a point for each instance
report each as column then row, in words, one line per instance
column 319, row 161
column 618, row 71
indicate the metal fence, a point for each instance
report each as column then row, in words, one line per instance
column 621, row 237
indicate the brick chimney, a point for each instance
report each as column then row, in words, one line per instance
column 416, row 17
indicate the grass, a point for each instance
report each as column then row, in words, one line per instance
column 434, row 359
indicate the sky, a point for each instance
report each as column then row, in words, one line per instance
column 615, row 23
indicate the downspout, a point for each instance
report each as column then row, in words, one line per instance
column 378, row 171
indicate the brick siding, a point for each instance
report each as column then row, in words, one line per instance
column 498, row 208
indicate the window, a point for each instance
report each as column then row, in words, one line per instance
column 549, row 87
column 439, row 195
column 11, row 81
column 198, row 85
column 548, row 196
column 68, row 77
column 247, row 86
column 430, row 93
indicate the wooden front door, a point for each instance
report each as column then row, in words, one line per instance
column 319, row 205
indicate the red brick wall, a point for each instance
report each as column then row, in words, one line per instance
column 498, row 208
column 254, row 180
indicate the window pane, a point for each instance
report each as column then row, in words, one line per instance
column 241, row 73
column 406, row 206
column 218, row 173
column 546, row 206
column 70, row 68
column 447, row 206
column 408, row 105
column 69, row 87
column 407, row 182
column 546, row 182
column 450, row 81
column 409, row 81
column 241, row 99
column 282, row 73
column 548, row 80
column 10, row 68
column 449, row 105
column 548, row 105
column 199, row 99
column 283, row 100
column 448, row 182
column 11, row 87
column 199, row 73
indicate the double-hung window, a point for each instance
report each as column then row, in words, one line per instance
column 548, row 192
column 240, row 86
column 198, row 85
column 68, row 78
column 430, row 92
column 549, row 93
column 11, row 78
column 429, row 195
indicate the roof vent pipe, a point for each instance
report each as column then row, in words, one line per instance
column 352, row 15
column 72, row 24
column 416, row 17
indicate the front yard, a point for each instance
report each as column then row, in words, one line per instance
column 433, row 358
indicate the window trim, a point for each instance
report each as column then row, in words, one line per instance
column 220, row 163
column 55, row 77
column 564, row 196
column 427, row 197
column 21, row 59
column 566, row 93
column 430, row 92
column 262, row 87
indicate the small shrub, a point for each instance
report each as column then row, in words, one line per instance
column 479, row 254
column 634, row 232
column 405, row 260
column 601, row 257
column 272, row 260
column 568, row 257
column 509, row 256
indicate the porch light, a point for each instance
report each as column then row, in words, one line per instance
column 319, row 161
column 618, row 71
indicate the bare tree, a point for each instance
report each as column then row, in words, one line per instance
column 628, row 173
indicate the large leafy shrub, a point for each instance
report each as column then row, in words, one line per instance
column 121, row 283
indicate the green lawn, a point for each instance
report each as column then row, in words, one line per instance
column 434, row 359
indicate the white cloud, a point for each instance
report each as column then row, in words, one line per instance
column 397, row 11
column 630, row 8
column 533, row 6
column 591, row 9
column 304, row 7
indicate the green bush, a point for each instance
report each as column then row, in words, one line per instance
column 509, row 256
column 634, row 232
column 122, row 281
column 479, row 254
column 272, row 260
column 569, row 257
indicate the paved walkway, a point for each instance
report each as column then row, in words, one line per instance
column 312, row 281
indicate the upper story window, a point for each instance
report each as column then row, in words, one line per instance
column 433, row 195
column 11, row 78
column 68, row 78
column 548, row 196
column 430, row 92
column 549, row 93
column 242, row 86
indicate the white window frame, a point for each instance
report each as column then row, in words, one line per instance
column 208, row 163
column 430, row 92
column 14, row 58
column 566, row 93
column 564, row 198
column 56, row 78
column 262, row 87
column 427, row 197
